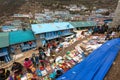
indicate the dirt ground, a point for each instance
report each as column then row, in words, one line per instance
column 114, row 72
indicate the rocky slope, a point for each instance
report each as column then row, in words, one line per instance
column 9, row 7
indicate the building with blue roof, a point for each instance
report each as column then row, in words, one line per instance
column 48, row 31
column 83, row 24
column 9, row 28
column 22, row 38
column 4, row 44
column 14, row 41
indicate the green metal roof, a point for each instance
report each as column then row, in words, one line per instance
column 21, row 36
column 4, row 39
column 83, row 24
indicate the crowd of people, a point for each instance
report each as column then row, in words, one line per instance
column 32, row 66
column 109, row 32
column 113, row 33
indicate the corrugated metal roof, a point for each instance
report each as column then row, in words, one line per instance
column 4, row 39
column 49, row 27
column 83, row 24
column 21, row 36
column 8, row 28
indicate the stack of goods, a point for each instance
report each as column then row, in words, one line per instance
column 61, row 64
column 92, row 43
column 74, row 55
column 66, row 62
column 42, row 71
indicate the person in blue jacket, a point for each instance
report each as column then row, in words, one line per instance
column 35, row 59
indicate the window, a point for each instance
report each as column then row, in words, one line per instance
column 47, row 34
column 42, row 35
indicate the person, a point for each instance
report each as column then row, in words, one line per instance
column 4, row 74
column 113, row 34
column 17, row 69
column 107, row 36
column 118, row 28
column 42, row 54
column 52, row 75
column 54, row 44
column 52, row 53
column 42, row 58
column 38, row 72
column 48, row 45
column 58, row 73
column 30, row 43
column 41, row 49
column 35, row 59
column 27, row 64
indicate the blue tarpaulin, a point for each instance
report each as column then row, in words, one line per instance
column 96, row 65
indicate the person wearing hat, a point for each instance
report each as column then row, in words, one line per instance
column 4, row 74
column 27, row 64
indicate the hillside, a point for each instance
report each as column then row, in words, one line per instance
column 9, row 7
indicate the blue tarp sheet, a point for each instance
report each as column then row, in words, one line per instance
column 96, row 65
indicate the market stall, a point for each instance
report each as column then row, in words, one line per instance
column 96, row 65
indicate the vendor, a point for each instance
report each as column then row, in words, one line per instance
column 42, row 58
column 27, row 64
column 30, row 43
column 58, row 73
column 35, row 59
column 4, row 74
column 17, row 69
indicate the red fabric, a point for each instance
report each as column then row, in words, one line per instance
column 27, row 64
column 48, row 45
column 54, row 44
column 41, row 68
column 64, row 66
column 43, row 61
column 17, row 75
column 29, row 42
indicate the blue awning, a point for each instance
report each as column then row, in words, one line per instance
column 67, row 34
column 52, row 37
column 56, row 36
column 3, row 52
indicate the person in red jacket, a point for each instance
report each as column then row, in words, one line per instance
column 27, row 64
